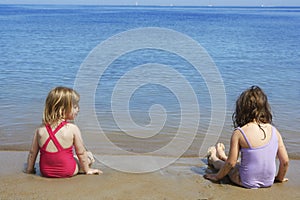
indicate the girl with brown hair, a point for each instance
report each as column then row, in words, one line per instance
column 258, row 141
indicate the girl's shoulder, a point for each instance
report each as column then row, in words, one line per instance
column 71, row 125
column 40, row 128
column 254, row 126
column 68, row 126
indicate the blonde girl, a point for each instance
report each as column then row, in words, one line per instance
column 56, row 138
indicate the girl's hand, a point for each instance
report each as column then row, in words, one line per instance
column 212, row 177
column 94, row 171
column 280, row 181
column 33, row 171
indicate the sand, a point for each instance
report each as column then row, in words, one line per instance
column 182, row 180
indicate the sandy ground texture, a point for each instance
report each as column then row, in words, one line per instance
column 181, row 180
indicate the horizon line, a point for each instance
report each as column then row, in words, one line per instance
column 153, row 5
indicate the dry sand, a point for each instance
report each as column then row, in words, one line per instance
column 182, row 180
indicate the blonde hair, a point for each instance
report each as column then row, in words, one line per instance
column 58, row 104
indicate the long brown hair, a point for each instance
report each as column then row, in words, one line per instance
column 252, row 105
column 58, row 104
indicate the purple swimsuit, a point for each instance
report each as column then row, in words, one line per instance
column 258, row 166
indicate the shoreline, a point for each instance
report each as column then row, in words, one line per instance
column 23, row 143
column 181, row 180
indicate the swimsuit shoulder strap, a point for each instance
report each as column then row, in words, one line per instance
column 244, row 135
column 274, row 135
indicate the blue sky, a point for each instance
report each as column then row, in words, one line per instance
column 162, row 2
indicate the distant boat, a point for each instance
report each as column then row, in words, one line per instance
column 136, row 3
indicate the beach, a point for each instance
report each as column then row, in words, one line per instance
column 181, row 180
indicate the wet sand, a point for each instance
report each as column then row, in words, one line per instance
column 181, row 180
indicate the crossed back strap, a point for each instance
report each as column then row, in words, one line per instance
column 52, row 136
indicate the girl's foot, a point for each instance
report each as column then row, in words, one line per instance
column 91, row 157
column 211, row 152
column 220, row 151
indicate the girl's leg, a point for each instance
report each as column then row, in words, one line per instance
column 234, row 175
column 76, row 169
column 213, row 158
column 220, row 147
column 215, row 153
column 91, row 158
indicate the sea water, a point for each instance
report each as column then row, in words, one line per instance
column 44, row 46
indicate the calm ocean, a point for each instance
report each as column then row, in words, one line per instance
column 44, row 46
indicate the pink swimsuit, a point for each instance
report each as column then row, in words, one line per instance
column 56, row 164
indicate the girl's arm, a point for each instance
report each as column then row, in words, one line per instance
column 283, row 160
column 82, row 153
column 231, row 160
column 32, row 155
column 232, row 156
